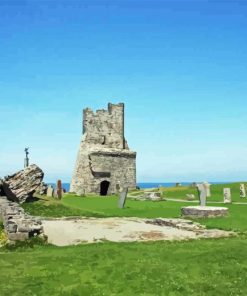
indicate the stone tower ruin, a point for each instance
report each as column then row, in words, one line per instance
column 104, row 162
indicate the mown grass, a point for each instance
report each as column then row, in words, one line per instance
column 216, row 192
column 204, row 267
column 72, row 205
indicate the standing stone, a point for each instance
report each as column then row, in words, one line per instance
column 227, row 195
column 122, row 197
column 207, row 186
column 202, row 194
column 242, row 191
column 50, row 191
column 59, row 189
column 21, row 186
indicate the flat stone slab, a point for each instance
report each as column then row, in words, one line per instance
column 204, row 212
column 63, row 232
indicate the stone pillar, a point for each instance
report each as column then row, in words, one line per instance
column 122, row 197
column 50, row 191
column 207, row 187
column 227, row 195
column 202, row 194
column 59, row 189
column 242, row 191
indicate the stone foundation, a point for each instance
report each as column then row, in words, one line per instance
column 17, row 224
column 204, row 212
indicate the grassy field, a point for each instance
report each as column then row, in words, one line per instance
column 203, row 267
column 216, row 192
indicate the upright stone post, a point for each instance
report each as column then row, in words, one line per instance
column 122, row 197
column 242, row 191
column 207, row 187
column 26, row 159
column 202, row 194
column 227, row 195
column 59, row 189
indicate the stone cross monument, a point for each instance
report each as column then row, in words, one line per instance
column 104, row 161
column 26, row 159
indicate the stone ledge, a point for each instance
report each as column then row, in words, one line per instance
column 204, row 212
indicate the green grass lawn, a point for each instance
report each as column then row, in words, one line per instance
column 72, row 205
column 216, row 192
column 204, row 267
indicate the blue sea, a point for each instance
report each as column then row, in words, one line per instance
column 147, row 185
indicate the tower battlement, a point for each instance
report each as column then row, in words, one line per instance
column 105, row 127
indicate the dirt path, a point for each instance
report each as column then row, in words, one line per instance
column 62, row 232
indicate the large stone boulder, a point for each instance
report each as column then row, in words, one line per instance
column 21, row 186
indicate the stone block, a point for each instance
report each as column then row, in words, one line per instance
column 18, row 236
column 204, row 212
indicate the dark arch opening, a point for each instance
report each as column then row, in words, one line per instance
column 104, row 185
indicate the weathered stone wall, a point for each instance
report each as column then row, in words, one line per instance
column 104, row 154
column 17, row 224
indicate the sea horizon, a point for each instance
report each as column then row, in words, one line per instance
column 146, row 185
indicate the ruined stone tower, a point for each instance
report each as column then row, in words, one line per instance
column 104, row 161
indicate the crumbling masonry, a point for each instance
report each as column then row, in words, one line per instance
column 104, row 162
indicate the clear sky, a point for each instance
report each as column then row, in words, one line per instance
column 180, row 67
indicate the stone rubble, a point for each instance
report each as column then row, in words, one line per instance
column 17, row 224
column 21, row 186
column 177, row 223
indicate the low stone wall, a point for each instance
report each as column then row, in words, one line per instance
column 17, row 224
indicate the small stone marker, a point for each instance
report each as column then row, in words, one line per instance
column 227, row 195
column 202, row 193
column 59, row 189
column 122, row 197
column 242, row 191
column 50, row 191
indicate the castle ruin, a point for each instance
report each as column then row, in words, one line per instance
column 104, row 162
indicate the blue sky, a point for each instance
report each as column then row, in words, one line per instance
column 179, row 67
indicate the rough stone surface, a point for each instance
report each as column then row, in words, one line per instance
column 122, row 197
column 104, row 160
column 20, row 186
column 59, row 189
column 227, row 195
column 50, row 191
column 42, row 189
column 17, row 224
column 242, row 191
column 202, row 194
column 207, row 187
column 204, row 212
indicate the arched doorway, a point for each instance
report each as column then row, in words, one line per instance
column 104, row 185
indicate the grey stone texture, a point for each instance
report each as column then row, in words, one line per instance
column 50, row 191
column 203, row 212
column 122, row 197
column 202, row 194
column 21, row 186
column 104, row 161
column 17, row 224
column 227, row 195
column 242, row 191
